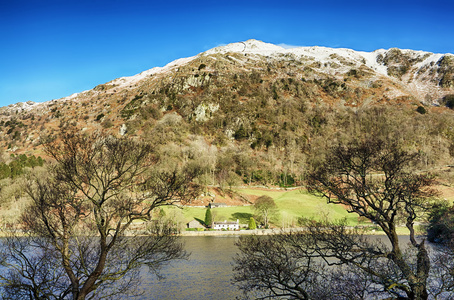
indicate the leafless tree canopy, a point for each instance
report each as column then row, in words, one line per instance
column 373, row 179
column 285, row 266
column 79, row 244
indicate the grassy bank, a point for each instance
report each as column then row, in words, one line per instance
column 292, row 204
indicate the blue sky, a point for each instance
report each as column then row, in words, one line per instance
column 52, row 49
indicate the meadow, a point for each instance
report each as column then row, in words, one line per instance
column 291, row 204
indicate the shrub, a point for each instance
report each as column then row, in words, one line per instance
column 100, row 116
column 449, row 101
column 421, row 110
column 107, row 124
column 286, row 180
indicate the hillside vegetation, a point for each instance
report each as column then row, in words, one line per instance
column 256, row 114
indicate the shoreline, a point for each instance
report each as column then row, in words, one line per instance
column 228, row 232
column 402, row 231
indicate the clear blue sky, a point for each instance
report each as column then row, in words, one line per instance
column 51, row 49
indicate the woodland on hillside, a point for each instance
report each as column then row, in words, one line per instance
column 281, row 156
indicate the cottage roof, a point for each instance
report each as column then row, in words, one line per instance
column 226, row 222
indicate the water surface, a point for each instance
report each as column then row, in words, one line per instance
column 206, row 274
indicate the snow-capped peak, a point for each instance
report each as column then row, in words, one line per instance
column 249, row 46
column 332, row 60
column 321, row 54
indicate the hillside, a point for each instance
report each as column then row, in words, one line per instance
column 258, row 108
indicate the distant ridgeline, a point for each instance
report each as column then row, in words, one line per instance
column 18, row 164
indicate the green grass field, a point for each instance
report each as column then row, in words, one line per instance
column 292, row 205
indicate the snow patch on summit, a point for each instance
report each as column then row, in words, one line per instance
column 249, row 46
column 24, row 105
column 371, row 61
column 316, row 53
column 130, row 80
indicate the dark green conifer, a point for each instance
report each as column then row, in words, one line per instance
column 208, row 217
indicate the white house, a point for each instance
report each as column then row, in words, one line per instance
column 226, row 225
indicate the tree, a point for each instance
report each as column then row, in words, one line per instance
column 449, row 101
column 281, row 266
column 208, row 217
column 257, row 264
column 265, row 208
column 79, row 243
column 241, row 133
column 441, row 225
column 251, row 224
column 373, row 179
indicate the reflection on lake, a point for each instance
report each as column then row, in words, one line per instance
column 206, row 275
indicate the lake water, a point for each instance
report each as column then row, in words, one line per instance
column 206, row 274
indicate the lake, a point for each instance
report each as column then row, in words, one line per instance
column 205, row 275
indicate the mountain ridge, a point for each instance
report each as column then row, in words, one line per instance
column 232, row 88
column 258, row 47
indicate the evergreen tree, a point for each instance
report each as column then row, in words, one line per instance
column 241, row 133
column 251, row 224
column 208, row 217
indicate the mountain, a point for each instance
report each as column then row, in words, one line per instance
column 246, row 92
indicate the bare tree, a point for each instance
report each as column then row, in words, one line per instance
column 79, row 222
column 259, row 264
column 373, row 179
column 283, row 265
